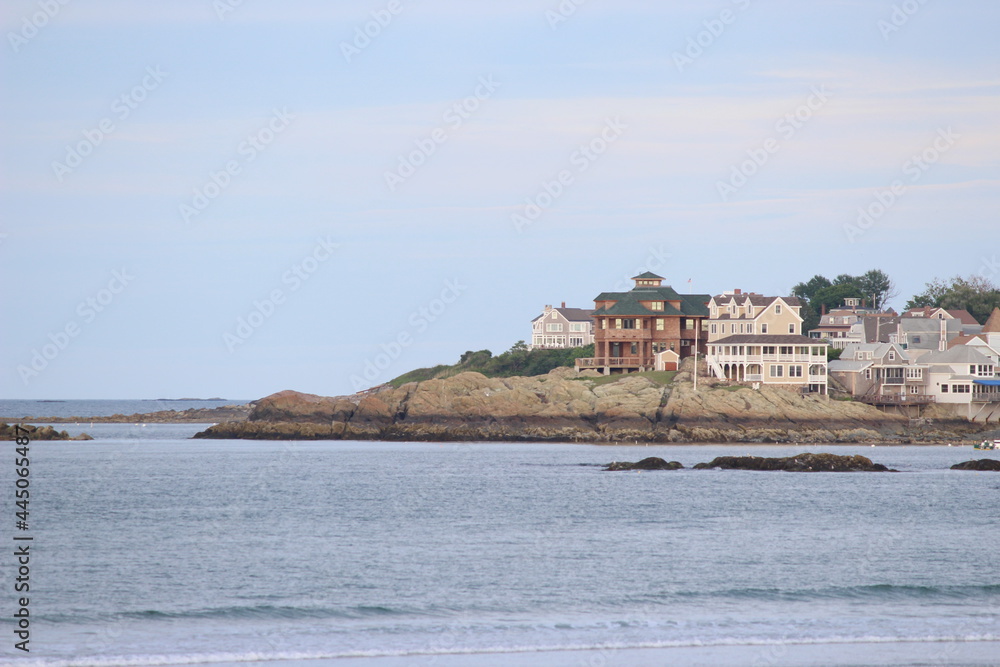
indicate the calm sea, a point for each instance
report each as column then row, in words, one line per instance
column 152, row 549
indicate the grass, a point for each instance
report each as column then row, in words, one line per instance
column 661, row 378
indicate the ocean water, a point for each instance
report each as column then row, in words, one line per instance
column 151, row 548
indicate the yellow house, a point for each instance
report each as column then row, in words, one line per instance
column 756, row 338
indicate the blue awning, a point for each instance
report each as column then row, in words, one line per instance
column 988, row 383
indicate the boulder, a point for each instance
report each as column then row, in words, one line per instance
column 981, row 464
column 651, row 463
column 800, row 463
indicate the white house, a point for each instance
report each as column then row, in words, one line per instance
column 562, row 327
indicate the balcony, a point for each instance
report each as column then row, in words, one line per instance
column 817, row 378
column 897, row 399
column 895, row 381
column 613, row 362
column 986, row 397
column 624, row 334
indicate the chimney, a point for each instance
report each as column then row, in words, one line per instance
column 737, row 291
column 548, row 308
column 563, row 304
column 823, row 310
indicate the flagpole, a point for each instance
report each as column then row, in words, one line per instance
column 697, row 334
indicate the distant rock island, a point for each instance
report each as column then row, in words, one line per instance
column 562, row 406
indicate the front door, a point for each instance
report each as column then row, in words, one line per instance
column 616, row 349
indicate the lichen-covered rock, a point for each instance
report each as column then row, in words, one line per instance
column 800, row 463
column 650, row 463
column 564, row 407
column 981, row 464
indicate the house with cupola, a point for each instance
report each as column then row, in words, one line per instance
column 650, row 327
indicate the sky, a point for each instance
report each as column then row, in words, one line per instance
column 231, row 198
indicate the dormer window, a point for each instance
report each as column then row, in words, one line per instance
column 656, row 305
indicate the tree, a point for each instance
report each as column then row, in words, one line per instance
column 833, row 296
column 805, row 292
column 879, row 287
column 976, row 294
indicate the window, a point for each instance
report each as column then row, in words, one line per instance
column 892, row 355
column 689, row 324
column 618, row 323
column 791, row 328
column 785, row 349
column 554, row 327
column 578, row 326
column 714, row 327
column 770, row 349
column 635, row 348
column 750, row 328
column 628, row 324
column 554, row 314
column 868, row 374
column 915, row 373
column 604, row 324
column 914, row 389
column 741, row 328
column 656, row 305
column 795, row 371
column 777, row 371
column 972, row 369
column 576, row 341
column 777, row 309
column 763, row 328
column 944, row 389
column 960, row 389
column 660, row 324
column 916, row 339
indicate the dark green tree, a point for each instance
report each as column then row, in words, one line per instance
column 976, row 294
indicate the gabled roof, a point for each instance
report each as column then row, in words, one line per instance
column 961, row 315
column 648, row 275
column 878, row 350
column 848, row 365
column 571, row 314
column 993, row 323
column 960, row 354
column 627, row 303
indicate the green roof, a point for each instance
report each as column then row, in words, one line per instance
column 648, row 275
column 627, row 303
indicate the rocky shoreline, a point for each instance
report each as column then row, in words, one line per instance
column 564, row 407
column 226, row 413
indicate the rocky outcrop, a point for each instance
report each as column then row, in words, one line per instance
column 190, row 416
column 8, row 432
column 564, row 407
column 801, row 463
column 981, row 464
column 651, row 463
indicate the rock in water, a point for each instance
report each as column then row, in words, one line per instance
column 651, row 463
column 981, row 464
column 800, row 463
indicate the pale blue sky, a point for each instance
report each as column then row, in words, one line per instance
column 197, row 87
